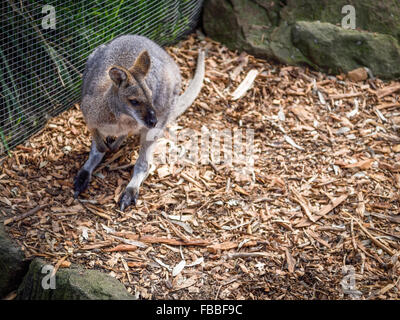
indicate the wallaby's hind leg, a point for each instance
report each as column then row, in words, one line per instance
column 140, row 172
column 82, row 179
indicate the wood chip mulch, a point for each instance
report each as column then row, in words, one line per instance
column 319, row 218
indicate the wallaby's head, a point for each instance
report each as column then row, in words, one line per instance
column 134, row 97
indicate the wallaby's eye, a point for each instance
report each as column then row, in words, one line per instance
column 134, row 102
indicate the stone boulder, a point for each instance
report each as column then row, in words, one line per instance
column 12, row 264
column 73, row 283
column 286, row 31
column 335, row 50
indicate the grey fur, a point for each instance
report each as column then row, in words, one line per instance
column 107, row 114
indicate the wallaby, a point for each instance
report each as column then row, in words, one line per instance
column 131, row 86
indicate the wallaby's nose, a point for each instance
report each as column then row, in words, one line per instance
column 151, row 119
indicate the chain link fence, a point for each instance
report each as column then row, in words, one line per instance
column 44, row 46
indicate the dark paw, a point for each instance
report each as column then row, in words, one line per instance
column 81, row 182
column 109, row 142
column 129, row 196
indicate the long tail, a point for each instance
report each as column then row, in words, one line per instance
column 191, row 93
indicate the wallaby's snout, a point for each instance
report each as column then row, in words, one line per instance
column 150, row 119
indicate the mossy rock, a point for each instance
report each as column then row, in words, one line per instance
column 283, row 49
column 335, row 50
column 269, row 29
column 242, row 24
column 381, row 16
column 73, row 283
column 13, row 265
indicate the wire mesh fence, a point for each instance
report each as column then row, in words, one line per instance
column 44, row 46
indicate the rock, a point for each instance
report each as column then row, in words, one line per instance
column 73, row 283
column 335, row 50
column 242, row 24
column 12, row 264
column 265, row 29
column 358, row 74
column 381, row 16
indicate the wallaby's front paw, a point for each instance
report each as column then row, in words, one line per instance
column 81, row 182
column 130, row 195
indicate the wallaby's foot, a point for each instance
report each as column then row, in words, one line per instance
column 81, row 182
column 130, row 195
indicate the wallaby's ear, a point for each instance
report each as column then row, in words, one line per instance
column 117, row 75
column 142, row 64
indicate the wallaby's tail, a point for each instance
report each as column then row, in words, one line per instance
column 187, row 98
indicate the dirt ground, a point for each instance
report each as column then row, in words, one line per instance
column 316, row 217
